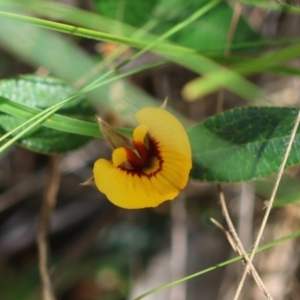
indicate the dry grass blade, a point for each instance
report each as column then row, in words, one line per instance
column 232, row 236
column 239, row 245
column 227, row 233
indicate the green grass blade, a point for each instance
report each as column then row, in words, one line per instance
column 199, row 87
column 178, row 54
column 57, row 122
column 35, row 121
column 74, row 30
column 48, row 112
column 223, row 264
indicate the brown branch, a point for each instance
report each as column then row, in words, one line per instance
column 49, row 201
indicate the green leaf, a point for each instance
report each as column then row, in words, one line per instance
column 133, row 12
column 42, row 92
column 208, row 33
column 243, row 144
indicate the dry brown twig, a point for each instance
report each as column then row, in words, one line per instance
column 49, row 201
column 232, row 236
column 237, row 244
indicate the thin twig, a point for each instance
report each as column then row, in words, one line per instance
column 233, row 25
column 227, row 233
column 246, row 211
column 234, row 21
column 270, row 204
column 288, row 6
column 179, row 247
column 49, row 200
column 239, row 244
column 220, row 100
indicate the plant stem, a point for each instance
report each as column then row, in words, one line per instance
column 49, row 201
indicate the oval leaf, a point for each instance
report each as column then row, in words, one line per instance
column 243, row 144
column 42, row 92
column 206, row 34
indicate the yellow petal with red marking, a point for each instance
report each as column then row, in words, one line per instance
column 172, row 141
column 160, row 177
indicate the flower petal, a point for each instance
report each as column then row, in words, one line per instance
column 119, row 156
column 172, row 143
column 139, row 133
column 130, row 190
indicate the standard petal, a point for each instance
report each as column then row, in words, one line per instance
column 171, row 142
column 165, row 129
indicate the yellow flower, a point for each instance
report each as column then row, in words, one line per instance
column 150, row 169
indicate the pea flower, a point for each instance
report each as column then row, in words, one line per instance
column 149, row 169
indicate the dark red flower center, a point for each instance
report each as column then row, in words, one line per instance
column 141, row 158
